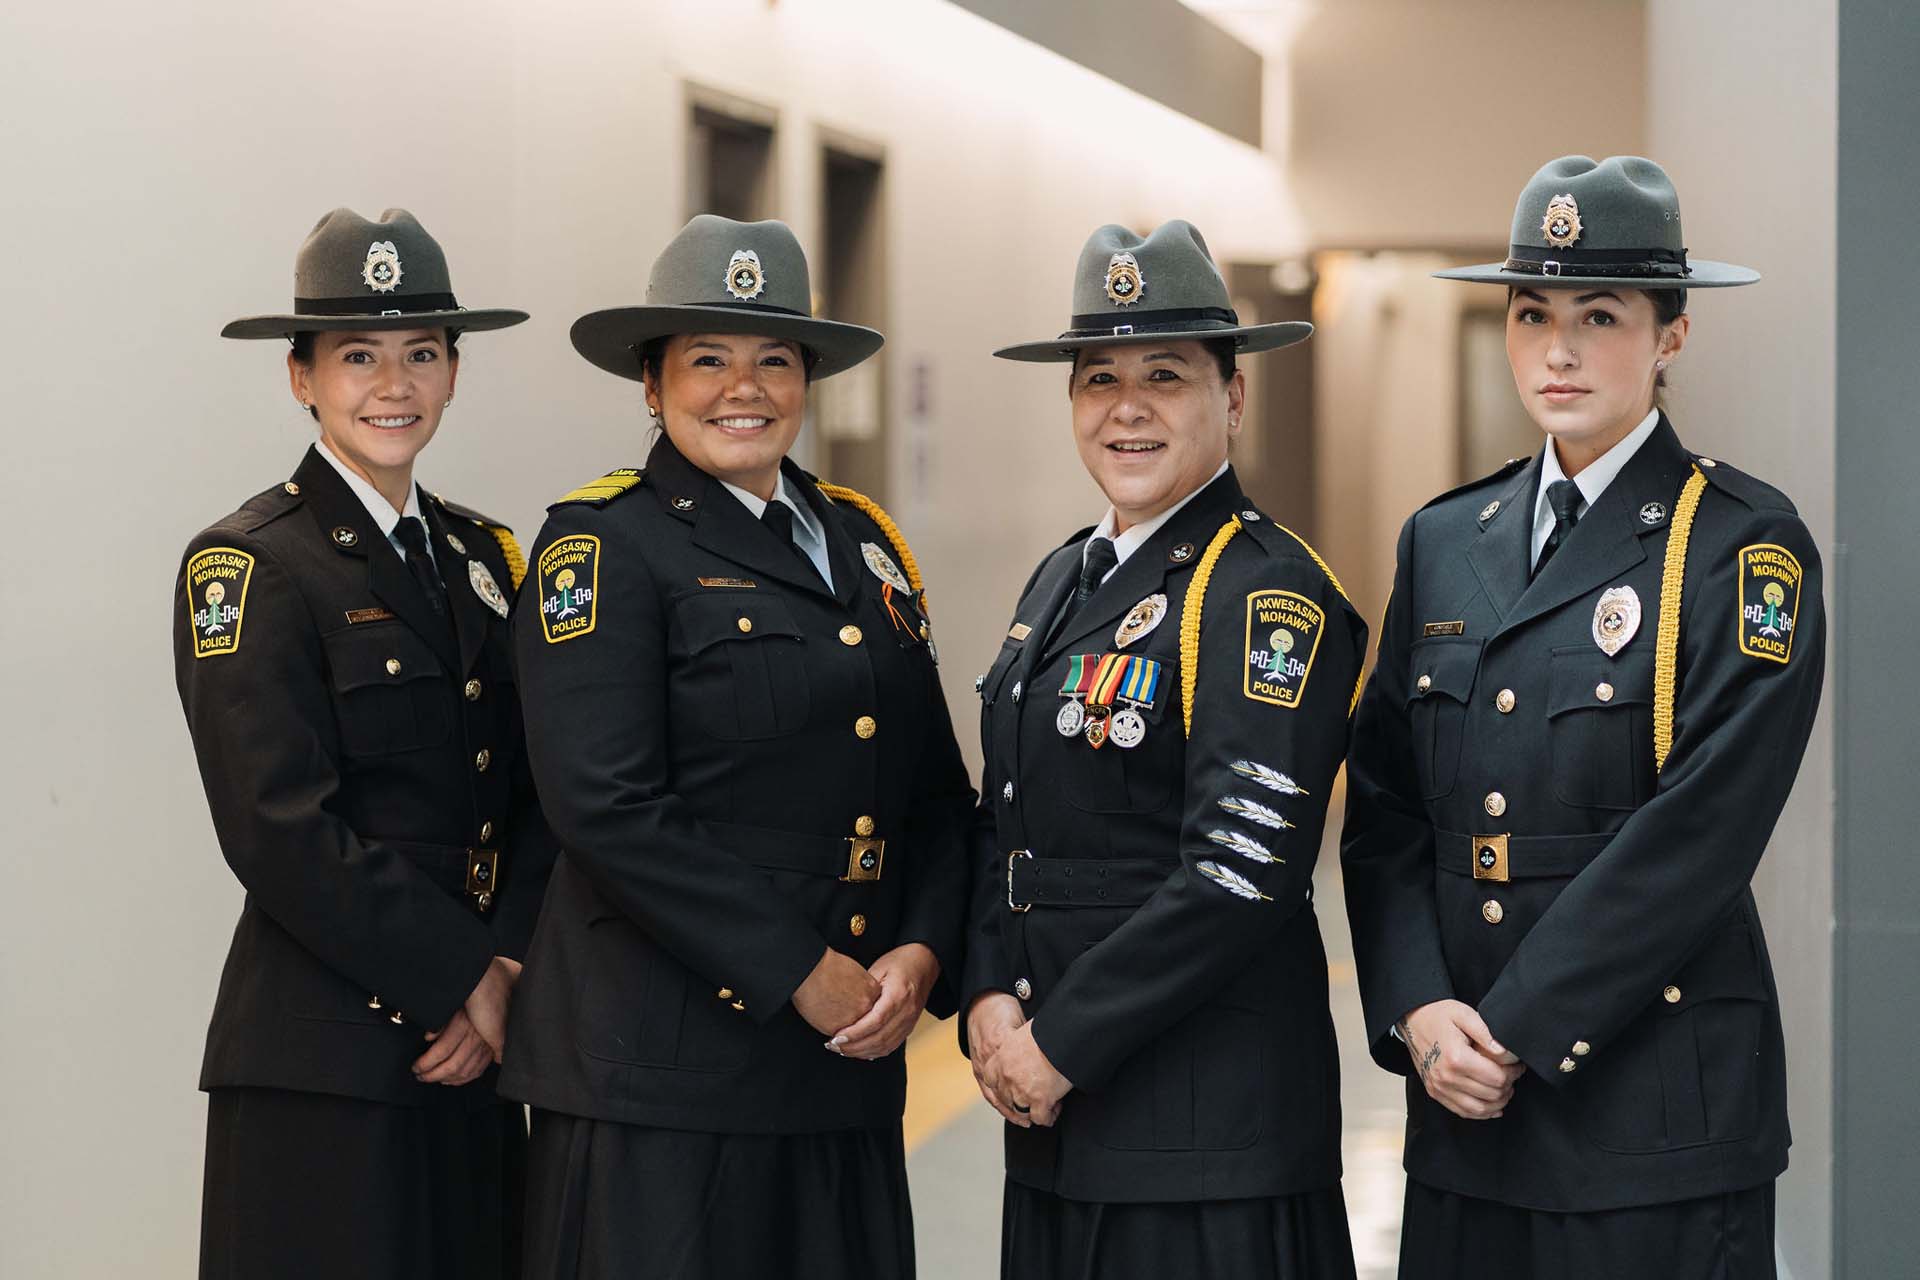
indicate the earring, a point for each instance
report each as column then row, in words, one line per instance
column 1660, row 365
column 653, row 411
column 448, row 404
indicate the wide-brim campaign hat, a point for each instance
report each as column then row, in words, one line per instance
column 1160, row 288
column 1615, row 222
column 722, row 276
column 360, row 275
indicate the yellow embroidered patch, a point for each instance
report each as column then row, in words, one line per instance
column 217, row 581
column 569, row 587
column 1769, row 599
column 1283, row 634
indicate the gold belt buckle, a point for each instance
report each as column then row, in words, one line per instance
column 865, row 858
column 1490, row 858
column 483, row 875
column 1018, row 908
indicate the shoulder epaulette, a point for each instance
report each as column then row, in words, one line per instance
column 1506, row 469
column 264, row 507
column 509, row 545
column 598, row 493
column 1747, row 490
column 874, row 512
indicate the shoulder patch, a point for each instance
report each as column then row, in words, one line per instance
column 217, row 581
column 600, row 492
column 1283, row 635
column 1769, row 599
column 569, row 572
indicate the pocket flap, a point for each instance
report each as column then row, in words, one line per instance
column 1727, row 968
column 1443, row 666
column 384, row 654
column 1582, row 677
column 714, row 617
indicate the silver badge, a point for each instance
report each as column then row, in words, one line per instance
column 1128, row 728
column 459, row 547
column 884, row 568
column 1141, row 619
column 1487, row 512
column 381, row 270
column 1124, row 281
column 1653, row 513
column 745, row 279
column 485, row 587
column 1615, row 619
column 1071, row 717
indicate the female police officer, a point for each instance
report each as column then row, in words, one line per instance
column 1596, row 677
column 1148, row 991
column 341, row 648
column 732, row 695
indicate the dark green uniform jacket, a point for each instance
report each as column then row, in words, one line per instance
column 745, row 769
column 1152, row 905
column 1612, row 940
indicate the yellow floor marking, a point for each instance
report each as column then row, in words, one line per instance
column 939, row 1081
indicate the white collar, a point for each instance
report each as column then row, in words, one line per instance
column 803, row 517
column 1596, row 475
column 378, row 508
column 1125, row 544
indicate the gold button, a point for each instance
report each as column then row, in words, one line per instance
column 373, row 1002
column 1492, row 911
column 393, row 666
column 740, row 1006
column 484, row 901
column 850, row 634
column 292, row 488
column 925, row 629
column 397, row 1018
column 1581, row 1048
column 1424, row 683
column 863, row 825
column 473, row 691
column 746, row 624
column 486, row 832
column 483, row 759
column 1496, row 803
column 1504, row 701
column 865, row 727
column 857, row 926
column 1567, row 1064
column 1672, row 994
column 1603, row 691
column 724, row 993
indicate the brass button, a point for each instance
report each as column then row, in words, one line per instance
column 473, row 691
column 397, row 1018
column 857, row 926
column 482, row 760
column 1496, row 803
column 1023, row 989
column 1581, row 1048
column 925, row 629
column 1603, row 691
column 486, row 832
column 1672, row 994
column 1708, row 462
column 1567, row 1065
column 863, row 825
column 1424, row 683
column 740, row 1006
column 1492, row 911
column 373, row 1002
column 484, row 901
column 724, row 993
column 850, row 634
column 393, row 666
column 292, row 488
column 1504, row 701
column 746, row 624
column 865, row 727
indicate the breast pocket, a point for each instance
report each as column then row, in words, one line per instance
column 747, row 664
column 390, row 691
column 1600, row 712
column 1440, row 679
column 1117, row 779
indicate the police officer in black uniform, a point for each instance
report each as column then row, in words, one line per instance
column 1147, row 989
column 341, row 646
column 735, row 714
column 1596, row 677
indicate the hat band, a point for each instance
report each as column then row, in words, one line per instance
column 398, row 304
column 1100, row 324
column 1634, row 263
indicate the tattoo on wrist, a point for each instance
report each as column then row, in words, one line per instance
column 1427, row 1059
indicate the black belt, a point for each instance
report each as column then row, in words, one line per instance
column 856, row 859
column 1083, row 882
column 1504, row 857
column 457, row 869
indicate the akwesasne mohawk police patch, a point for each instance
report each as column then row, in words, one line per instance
column 217, row 581
column 1283, row 634
column 1769, row 600
column 569, row 587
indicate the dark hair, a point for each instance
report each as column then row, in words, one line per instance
column 304, row 341
column 1223, row 351
column 653, row 356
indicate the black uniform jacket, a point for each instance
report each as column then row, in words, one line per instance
column 362, row 760
column 1622, row 957
column 1192, row 1020
column 745, row 769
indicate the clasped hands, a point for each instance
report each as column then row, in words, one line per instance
column 1462, row 1066
column 1013, row 1073
column 475, row 1037
column 867, row 1013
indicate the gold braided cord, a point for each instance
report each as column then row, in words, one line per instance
column 1360, row 682
column 1190, row 617
column 840, row 493
column 1666, row 649
column 510, row 548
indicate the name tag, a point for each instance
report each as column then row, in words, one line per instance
column 357, row 616
column 727, row 582
column 1455, row 628
column 1019, row 631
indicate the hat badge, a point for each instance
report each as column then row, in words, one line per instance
column 1124, row 283
column 1561, row 226
column 745, row 279
column 381, row 270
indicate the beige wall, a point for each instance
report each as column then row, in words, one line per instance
column 163, row 163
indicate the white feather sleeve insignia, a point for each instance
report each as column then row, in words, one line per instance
column 1254, row 811
column 1271, row 779
column 1232, row 881
column 1245, row 846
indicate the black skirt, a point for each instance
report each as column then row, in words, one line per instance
column 1444, row 1236
column 620, row 1200
column 308, row 1184
column 1298, row 1237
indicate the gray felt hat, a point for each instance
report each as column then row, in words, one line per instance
column 722, row 276
column 1612, row 223
column 361, row 275
column 1163, row 288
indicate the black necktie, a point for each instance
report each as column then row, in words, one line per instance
column 412, row 535
column 1564, row 497
column 778, row 517
column 1098, row 563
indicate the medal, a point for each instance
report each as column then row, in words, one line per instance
column 1102, row 680
column 1097, row 729
column 1615, row 619
column 1140, row 620
column 1128, row 729
column 1070, row 719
